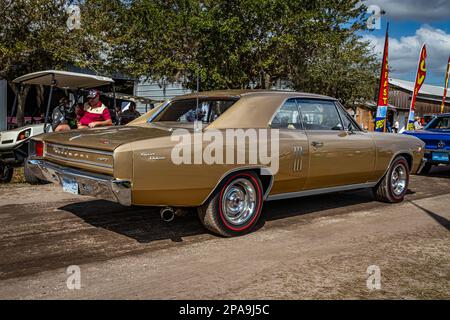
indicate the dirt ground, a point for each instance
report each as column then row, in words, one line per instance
column 308, row 248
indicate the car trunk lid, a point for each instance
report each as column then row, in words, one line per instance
column 105, row 139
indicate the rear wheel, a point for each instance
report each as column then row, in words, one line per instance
column 235, row 207
column 394, row 185
column 6, row 173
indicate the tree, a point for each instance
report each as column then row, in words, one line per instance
column 321, row 51
column 314, row 45
column 241, row 43
column 34, row 36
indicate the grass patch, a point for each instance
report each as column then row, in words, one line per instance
column 18, row 176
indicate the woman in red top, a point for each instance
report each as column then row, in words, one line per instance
column 95, row 113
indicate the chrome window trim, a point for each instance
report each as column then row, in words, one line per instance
column 161, row 109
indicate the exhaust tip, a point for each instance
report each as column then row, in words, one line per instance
column 167, row 214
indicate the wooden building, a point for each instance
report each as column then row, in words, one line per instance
column 428, row 102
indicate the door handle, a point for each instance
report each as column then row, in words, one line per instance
column 317, row 144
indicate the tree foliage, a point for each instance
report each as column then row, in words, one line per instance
column 313, row 45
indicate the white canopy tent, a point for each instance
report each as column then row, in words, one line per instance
column 63, row 80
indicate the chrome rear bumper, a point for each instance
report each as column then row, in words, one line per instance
column 89, row 184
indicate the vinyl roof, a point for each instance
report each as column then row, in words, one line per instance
column 249, row 92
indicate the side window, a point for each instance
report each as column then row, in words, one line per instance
column 346, row 118
column 287, row 117
column 319, row 115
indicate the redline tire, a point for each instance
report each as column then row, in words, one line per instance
column 235, row 207
column 391, row 189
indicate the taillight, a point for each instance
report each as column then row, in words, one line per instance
column 39, row 145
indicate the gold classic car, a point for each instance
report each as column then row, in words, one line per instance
column 225, row 153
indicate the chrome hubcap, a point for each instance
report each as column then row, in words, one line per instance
column 398, row 179
column 239, row 202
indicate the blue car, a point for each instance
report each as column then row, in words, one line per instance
column 436, row 136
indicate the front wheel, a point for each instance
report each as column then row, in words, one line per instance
column 6, row 173
column 394, row 185
column 235, row 207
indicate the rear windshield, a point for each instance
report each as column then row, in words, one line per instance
column 186, row 111
column 439, row 123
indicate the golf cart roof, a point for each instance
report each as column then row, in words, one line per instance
column 64, row 79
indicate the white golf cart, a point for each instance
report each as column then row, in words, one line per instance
column 14, row 143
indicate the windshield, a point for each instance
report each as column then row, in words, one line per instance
column 186, row 111
column 439, row 123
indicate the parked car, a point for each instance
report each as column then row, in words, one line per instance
column 321, row 149
column 436, row 136
column 14, row 148
column 14, row 143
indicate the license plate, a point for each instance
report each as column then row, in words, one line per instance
column 440, row 156
column 70, row 185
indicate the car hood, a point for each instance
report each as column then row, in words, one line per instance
column 106, row 139
column 429, row 134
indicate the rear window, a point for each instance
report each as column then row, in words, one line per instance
column 186, row 111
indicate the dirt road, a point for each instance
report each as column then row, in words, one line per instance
column 316, row 247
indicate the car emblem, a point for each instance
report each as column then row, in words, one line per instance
column 441, row 145
column 151, row 156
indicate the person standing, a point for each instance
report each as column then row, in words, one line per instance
column 396, row 126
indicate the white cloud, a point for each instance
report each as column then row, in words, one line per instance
column 426, row 11
column 404, row 52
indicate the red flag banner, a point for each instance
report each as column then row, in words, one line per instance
column 420, row 78
column 447, row 75
column 383, row 94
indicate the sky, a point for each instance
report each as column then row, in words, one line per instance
column 412, row 23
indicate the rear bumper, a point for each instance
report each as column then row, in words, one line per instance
column 89, row 184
